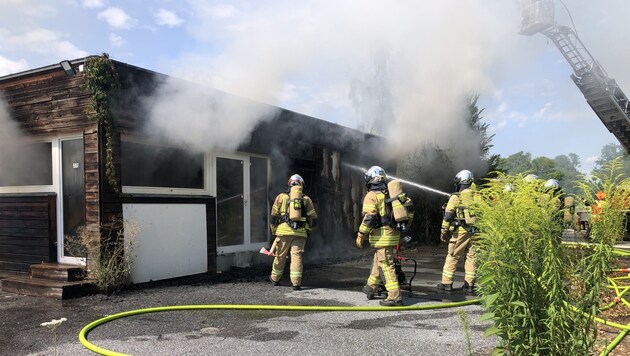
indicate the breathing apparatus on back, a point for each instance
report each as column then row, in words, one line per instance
column 296, row 203
column 463, row 181
column 396, row 202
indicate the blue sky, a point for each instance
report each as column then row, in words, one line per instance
column 305, row 55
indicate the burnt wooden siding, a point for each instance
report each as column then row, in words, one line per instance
column 46, row 103
column 28, row 231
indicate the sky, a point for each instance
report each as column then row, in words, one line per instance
column 401, row 66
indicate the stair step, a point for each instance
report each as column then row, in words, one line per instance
column 41, row 287
column 57, row 272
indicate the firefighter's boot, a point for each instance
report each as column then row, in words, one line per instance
column 369, row 292
column 470, row 288
column 445, row 287
column 391, row 303
column 274, row 283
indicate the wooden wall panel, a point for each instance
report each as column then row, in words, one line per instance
column 27, row 231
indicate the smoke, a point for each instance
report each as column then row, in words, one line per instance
column 404, row 67
column 201, row 118
column 9, row 130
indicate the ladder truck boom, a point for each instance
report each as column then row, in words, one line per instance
column 601, row 92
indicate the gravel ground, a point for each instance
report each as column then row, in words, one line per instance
column 254, row 332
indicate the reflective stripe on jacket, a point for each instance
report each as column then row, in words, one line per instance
column 374, row 206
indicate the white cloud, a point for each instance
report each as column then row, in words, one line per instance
column 93, row 4
column 29, row 8
column 222, row 11
column 117, row 18
column 543, row 110
column 8, row 66
column 167, row 18
column 116, row 40
column 47, row 42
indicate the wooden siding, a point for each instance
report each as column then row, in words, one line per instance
column 28, row 232
column 48, row 102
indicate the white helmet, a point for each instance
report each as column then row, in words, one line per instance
column 552, row 183
column 375, row 175
column 530, row 178
column 464, row 177
column 295, row 179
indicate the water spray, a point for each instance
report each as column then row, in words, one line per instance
column 417, row 185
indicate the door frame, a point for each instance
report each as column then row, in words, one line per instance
column 247, row 245
column 58, row 173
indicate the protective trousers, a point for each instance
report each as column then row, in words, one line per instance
column 459, row 245
column 286, row 244
column 384, row 261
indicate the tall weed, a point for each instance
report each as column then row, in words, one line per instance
column 530, row 281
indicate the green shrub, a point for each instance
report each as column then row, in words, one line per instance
column 541, row 294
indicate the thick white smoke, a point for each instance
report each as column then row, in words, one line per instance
column 436, row 54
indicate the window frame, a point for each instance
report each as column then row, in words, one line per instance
column 132, row 189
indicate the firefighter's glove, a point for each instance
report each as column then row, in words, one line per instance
column 444, row 235
column 359, row 240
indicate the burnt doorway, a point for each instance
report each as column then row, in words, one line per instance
column 72, row 198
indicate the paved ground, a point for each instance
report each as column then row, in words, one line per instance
column 254, row 332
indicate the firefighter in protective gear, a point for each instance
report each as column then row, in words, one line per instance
column 378, row 227
column 291, row 234
column 458, row 228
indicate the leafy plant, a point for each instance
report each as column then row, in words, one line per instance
column 531, row 283
column 102, row 81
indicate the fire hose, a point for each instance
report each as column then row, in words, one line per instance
column 84, row 332
column 620, row 291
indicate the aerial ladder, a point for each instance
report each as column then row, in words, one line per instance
column 600, row 91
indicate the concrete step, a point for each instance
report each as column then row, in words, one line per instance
column 42, row 287
column 58, row 272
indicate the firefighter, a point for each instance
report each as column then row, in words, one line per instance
column 379, row 227
column 458, row 229
column 292, row 218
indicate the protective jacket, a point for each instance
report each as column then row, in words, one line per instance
column 377, row 219
column 280, row 223
column 458, row 216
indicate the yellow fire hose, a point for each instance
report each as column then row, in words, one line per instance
column 620, row 290
column 84, row 332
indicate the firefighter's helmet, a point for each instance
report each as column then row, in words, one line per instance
column 464, row 177
column 530, row 178
column 375, row 175
column 552, row 184
column 295, row 179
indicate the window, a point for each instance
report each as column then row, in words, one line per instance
column 28, row 164
column 146, row 165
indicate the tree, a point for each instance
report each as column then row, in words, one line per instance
column 609, row 153
column 436, row 166
column 480, row 129
column 519, row 162
column 568, row 165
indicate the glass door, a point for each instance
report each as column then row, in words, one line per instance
column 230, row 202
column 242, row 202
column 72, row 198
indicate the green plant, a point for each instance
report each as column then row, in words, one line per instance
column 527, row 277
column 109, row 259
column 463, row 316
column 102, row 81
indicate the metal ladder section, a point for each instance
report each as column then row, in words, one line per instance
column 601, row 92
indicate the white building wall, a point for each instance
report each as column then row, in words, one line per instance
column 169, row 240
